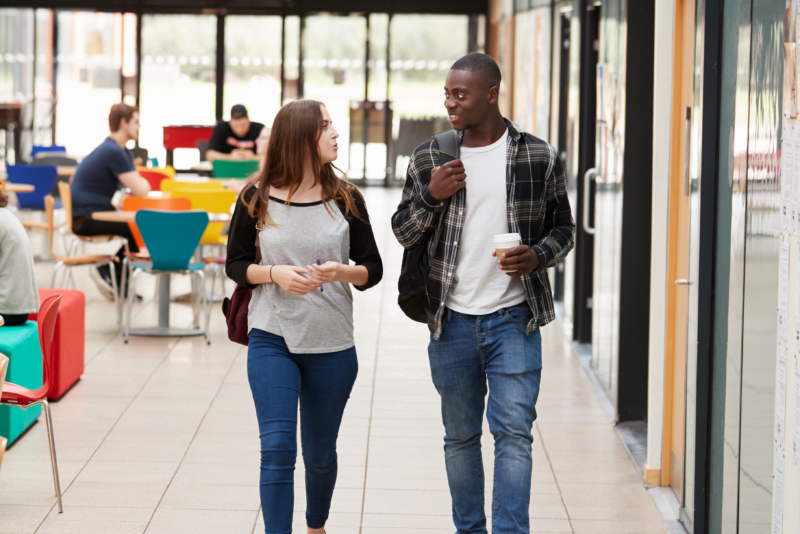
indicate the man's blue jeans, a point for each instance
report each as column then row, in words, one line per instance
column 322, row 384
column 472, row 351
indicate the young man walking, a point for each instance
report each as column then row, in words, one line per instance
column 484, row 311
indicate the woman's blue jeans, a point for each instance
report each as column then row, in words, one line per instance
column 474, row 350
column 322, row 384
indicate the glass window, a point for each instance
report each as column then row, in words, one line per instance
column 88, row 77
column 16, row 71
column 333, row 73
column 43, row 79
column 253, row 66
column 423, row 48
column 178, row 80
column 532, row 72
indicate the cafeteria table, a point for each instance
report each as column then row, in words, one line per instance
column 17, row 188
column 65, row 171
column 163, row 329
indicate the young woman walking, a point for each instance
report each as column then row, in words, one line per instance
column 308, row 224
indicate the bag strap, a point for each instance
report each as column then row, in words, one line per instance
column 449, row 147
column 449, row 150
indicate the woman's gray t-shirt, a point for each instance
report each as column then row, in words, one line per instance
column 320, row 321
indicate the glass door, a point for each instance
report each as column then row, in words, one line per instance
column 608, row 196
column 695, row 127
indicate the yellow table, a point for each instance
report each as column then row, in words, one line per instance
column 65, row 171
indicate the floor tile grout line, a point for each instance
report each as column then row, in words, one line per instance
column 194, row 436
column 372, row 404
column 255, row 523
column 553, row 471
column 64, row 490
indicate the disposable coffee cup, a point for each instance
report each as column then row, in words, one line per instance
column 505, row 242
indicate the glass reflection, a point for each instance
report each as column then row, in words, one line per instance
column 726, row 390
column 761, row 267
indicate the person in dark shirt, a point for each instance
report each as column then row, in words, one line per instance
column 106, row 169
column 235, row 139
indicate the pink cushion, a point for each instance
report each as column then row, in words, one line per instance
column 68, row 341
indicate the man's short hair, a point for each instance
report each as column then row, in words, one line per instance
column 118, row 112
column 482, row 65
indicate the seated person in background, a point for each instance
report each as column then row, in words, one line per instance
column 261, row 150
column 100, row 174
column 235, row 139
column 18, row 293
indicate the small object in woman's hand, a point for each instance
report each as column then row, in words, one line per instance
column 320, row 286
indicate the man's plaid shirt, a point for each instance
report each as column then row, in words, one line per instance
column 537, row 207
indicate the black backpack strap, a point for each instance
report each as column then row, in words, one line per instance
column 449, row 150
column 449, row 147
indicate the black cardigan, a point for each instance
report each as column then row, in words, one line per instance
column 242, row 242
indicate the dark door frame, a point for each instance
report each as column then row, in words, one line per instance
column 712, row 57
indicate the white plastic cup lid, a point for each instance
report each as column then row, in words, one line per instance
column 505, row 238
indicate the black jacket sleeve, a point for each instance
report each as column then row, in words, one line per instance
column 363, row 249
column 241, row 240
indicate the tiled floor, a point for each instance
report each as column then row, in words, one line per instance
column 160, row 435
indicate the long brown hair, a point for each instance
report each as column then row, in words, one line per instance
column 293, row 144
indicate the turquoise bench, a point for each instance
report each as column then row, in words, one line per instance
column 21, row 345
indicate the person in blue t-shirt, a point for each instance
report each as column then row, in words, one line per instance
column 108, row 168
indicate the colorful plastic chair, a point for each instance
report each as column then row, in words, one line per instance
column 65, row 190
column 131, row 203
column 154, row 178
column 211, row 201
column 171, row 238
column 94, row 260
column 219, row 201
column 168, row 171
column 36, row 149
column 14, row 395
column 225, row 168
column 41, row 177
column 170, row 185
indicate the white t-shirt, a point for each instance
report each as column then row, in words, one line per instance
column 479, row 286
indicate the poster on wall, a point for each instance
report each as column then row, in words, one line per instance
column 796, row 422
column 783, row 287
column 789, row 82
column 780, row 395
column 777, row 491
column 787, row 179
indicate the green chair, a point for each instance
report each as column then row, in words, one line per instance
column 171, row 237
column 25, row 368
column 224, row 168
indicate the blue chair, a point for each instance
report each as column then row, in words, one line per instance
column 53, row 148
column 171, row 238
column 41, row 177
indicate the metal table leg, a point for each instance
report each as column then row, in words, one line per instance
column 163, row 329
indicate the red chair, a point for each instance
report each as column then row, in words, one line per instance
column 154, row 178
column 14, row 395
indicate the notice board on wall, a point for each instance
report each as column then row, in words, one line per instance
column 786, row 427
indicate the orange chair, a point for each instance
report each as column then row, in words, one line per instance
column 14, row 395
